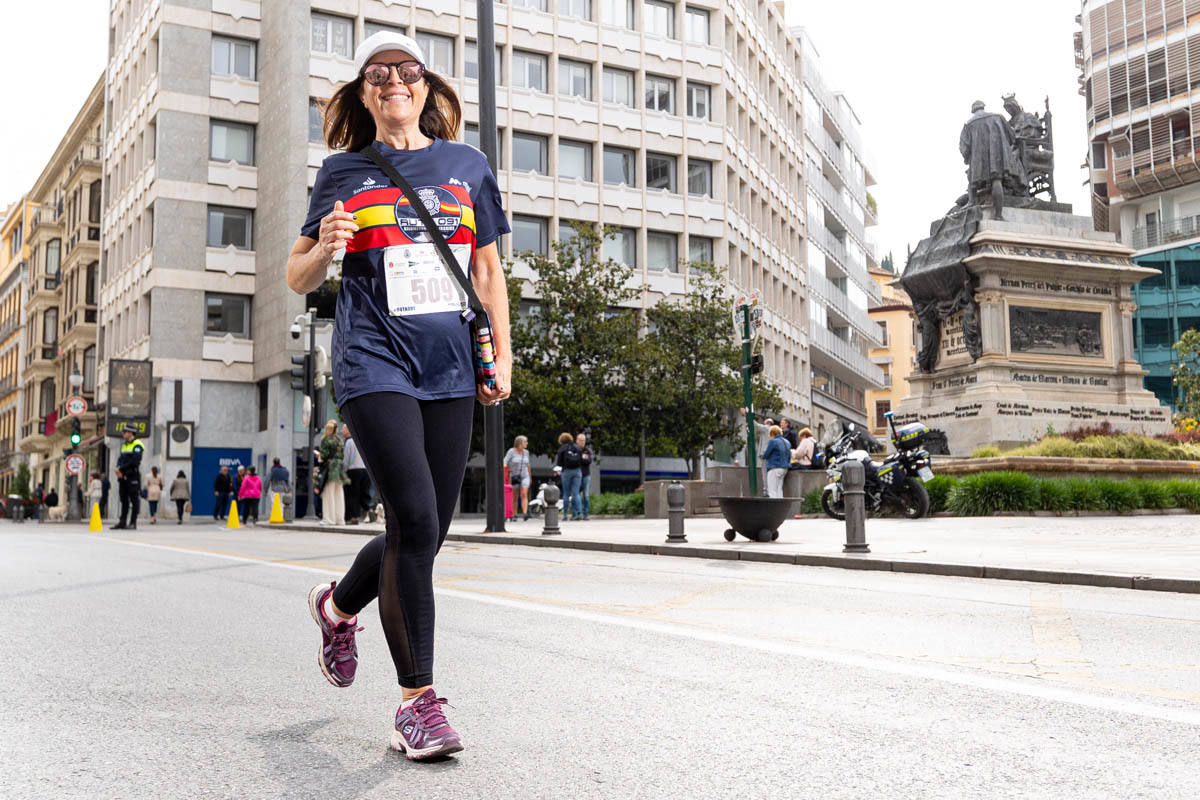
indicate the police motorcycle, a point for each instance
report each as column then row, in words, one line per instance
column 897, row 483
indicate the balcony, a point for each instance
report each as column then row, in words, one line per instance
column 1171, row 230
column 837, row 300
column 40, row 217
column 837, row 204
column 88, row 155
column 843, row 353
column 8, row 386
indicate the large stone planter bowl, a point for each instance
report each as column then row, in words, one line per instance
column 756, row 518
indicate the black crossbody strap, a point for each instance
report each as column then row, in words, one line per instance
column 431, row 228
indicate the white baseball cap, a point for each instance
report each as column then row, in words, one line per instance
column 385, row 40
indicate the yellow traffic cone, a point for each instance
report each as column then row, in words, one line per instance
column 96, row 525
column 233, row 517
column 276, row 510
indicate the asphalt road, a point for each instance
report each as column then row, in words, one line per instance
column 181, row 663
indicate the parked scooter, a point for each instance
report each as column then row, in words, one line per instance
column 896, row 483
column 537, row 503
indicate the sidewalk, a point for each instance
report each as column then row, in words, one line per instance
column 1159, row 553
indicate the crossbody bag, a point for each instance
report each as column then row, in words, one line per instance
column 474, row 314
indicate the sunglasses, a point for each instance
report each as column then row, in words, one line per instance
column 407, row 71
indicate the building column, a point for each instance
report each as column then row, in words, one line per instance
column 992, row 325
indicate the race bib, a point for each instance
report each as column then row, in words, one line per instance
column 419, row 283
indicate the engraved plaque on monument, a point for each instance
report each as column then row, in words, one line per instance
column 1046, row 330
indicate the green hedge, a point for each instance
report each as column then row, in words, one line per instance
column 812, row 502
column 989, row 492
column 1118, row 446
column 624, row 505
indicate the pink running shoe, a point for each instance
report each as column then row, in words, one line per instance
column 422, row 730
column 339, row 653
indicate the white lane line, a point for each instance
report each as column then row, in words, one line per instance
column 990, row 683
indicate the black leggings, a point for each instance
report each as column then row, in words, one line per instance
column 416, row 452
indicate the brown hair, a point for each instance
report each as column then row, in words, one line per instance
column 805, row 433
column 565, row 437
column 774, row 431
column 350, row 127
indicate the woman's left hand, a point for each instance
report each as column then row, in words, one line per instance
column 490, row 397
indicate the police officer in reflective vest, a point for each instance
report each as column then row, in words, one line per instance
column 129, row 476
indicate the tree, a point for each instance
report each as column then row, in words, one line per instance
column 889, row 263
column 20, row 484
column 1186, row 374
column 575, row 347
column 695, row 369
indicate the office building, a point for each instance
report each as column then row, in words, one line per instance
column 896, row 355
column 14, row 269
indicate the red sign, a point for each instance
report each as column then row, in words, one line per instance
column 77, row 406
column 52, row 422
column 75, row 463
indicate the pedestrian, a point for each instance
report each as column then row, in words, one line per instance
column 129, row 477
column 154, row 489
column 279, row 480
column 358, row 491
column 569, row 459
column 96, row 493
column 802, row 455
column 520, row 475
column 222, row 488
column 238, row 478
column 51, row 498
column 775, row 461
column 249, row 495
column 105, row 489
column 404, row 365
column 585, row 470
column 181, row 493
column 789, row 433
column 332, row 477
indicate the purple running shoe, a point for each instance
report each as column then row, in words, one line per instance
column 339, row 654
column 422, row 730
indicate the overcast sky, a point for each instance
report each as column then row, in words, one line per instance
column 910, row 68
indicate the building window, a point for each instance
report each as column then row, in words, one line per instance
column 227, row 313
column 618, row 87
column 471, row 62
column 529, row 153
column 660, row 171
column 234, row 57
column 660, row 93
column 529, row 70
column 700, row 248
column 620, row 245
column 662, row 251
column 263, row 403
column 46, row 398
column 230, row 226
column 316, row 122
column 536, row 5
column 699, row 100
column 883, row 333
column 580, row 9
column 89, row 370
column 696, row 26
column 50, row 327
column 575, row 78
column 439, row 52
column 333, row 35
column 94, row 202
column 529, row 234
column 619, row 166
column 617, row 12
column 371, row 28
column 53, row 259
column 882, row 407
column 231, row 141
column 574, row 160
column 471, row 137
column 699, row 177
column 89, row 296
column 659, row 18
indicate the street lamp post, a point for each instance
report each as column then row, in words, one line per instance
column 73, row 511
column 310, row 434
column 493, row 416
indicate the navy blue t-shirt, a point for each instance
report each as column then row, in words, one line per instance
column 426, row 356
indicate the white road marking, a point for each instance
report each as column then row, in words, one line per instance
column 990, row 683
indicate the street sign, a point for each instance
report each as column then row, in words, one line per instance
column 77, row 406
column 75, row 463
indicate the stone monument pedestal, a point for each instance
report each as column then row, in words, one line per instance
column 1054, row 309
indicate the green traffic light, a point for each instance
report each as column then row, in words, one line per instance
column 75, row 438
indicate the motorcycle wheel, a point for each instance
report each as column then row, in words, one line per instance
column 914, row 500
column 833, row 510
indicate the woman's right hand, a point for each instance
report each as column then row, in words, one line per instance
column 337, row 228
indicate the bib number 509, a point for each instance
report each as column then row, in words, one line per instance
column 431, row 290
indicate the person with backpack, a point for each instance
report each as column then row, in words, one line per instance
column 569, row 460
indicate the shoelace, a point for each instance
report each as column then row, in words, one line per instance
column 429, row 713
column 342, row 644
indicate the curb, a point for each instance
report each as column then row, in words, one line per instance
column 863, row 562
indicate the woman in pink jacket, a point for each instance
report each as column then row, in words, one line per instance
column 248, row 495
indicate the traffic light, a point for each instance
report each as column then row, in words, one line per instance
column 301, row 373
column 76, row 432
column 756, row 363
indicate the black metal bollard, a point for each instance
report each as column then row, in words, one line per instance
column 676, row 501
column 551, row 496
column 854, row 499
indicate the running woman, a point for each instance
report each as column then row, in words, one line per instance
column 403, row 359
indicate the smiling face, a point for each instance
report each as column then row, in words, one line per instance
column 395, row 104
